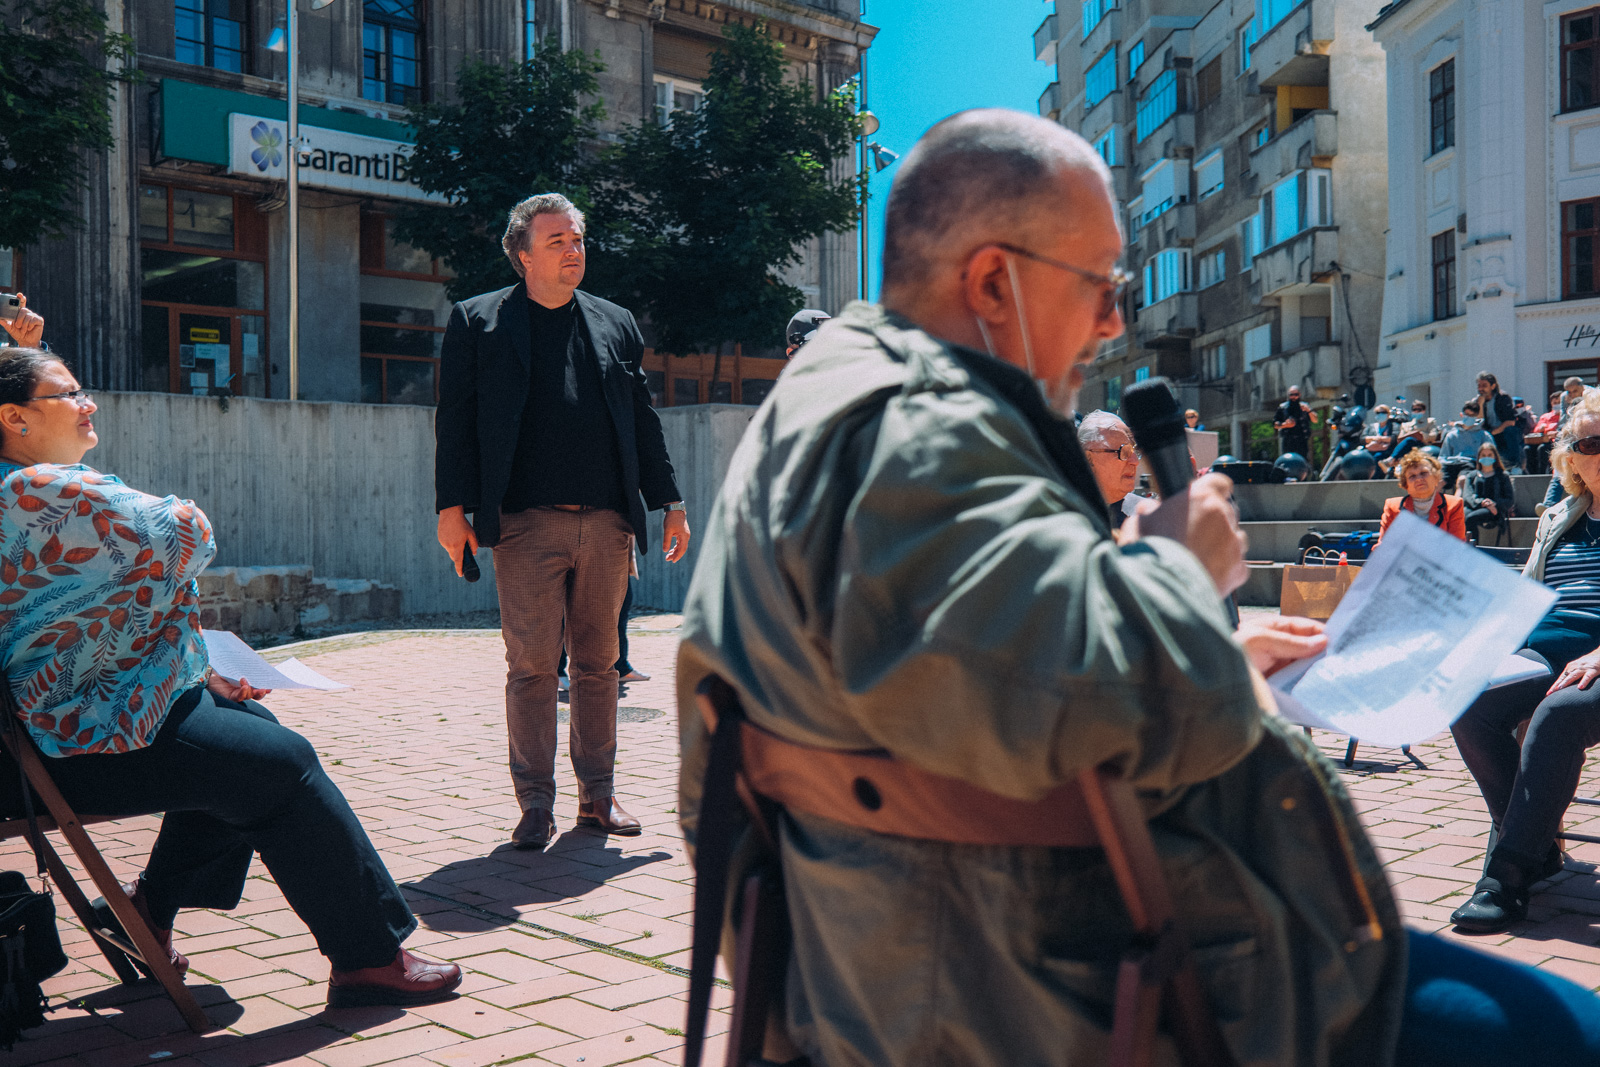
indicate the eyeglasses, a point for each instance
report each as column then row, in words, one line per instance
column 1589, row 446
column 80, row 397
column 1112, row 285
column 1128, row 454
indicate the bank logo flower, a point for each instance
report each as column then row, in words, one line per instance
column 267, row 154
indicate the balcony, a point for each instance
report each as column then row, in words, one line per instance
column 1107, row 30
column 1106, row 110
column 1044, row 40
column 1170, row 323
column 1174, row 226
column 1050, row 101
column 1295, row 51
column 1294, row 266
column 1308, row 143
column 1312, row 368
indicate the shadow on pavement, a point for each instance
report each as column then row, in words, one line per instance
column 511, row 880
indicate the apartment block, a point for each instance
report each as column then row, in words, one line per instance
column 1494, row 197
column 1247, row 144
column 177, row 280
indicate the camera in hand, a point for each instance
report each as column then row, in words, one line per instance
column 10, row 306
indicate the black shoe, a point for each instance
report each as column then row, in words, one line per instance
column 535, row 829
column 1498, row 901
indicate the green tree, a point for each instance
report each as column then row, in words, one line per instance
column 511, row 132
column 695, row 220
column 58, row 65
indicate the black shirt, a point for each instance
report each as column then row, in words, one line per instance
column 1300, row 413
column 566, row 446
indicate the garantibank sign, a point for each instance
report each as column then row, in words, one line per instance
column 329, row 159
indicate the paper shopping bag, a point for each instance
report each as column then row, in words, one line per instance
column 1312, row 590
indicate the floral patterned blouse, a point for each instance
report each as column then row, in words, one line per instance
column 99, row 623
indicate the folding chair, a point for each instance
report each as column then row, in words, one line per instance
column 1156, row 975
column 140, row 943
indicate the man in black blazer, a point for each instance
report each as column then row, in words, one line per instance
column 546, row 435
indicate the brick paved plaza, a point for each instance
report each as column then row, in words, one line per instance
column 578, row 955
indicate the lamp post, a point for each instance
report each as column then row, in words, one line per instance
column 289, row 43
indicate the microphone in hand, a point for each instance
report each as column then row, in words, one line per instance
column 469, row 564
column 1152, row 413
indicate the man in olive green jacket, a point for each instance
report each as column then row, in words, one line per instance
column 909, row 554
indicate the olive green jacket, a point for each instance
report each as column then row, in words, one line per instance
column 908, row 555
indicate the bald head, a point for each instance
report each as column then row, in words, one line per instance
column 984, row 176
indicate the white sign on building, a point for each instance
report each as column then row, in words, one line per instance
column 329, row 159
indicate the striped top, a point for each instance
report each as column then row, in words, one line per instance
column 1573, row 569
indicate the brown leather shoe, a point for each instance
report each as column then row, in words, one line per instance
column 535, row 830
column 609, row 816
column 108, row 919
column 407, row 982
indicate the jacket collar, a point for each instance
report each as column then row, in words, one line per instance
column 513, row 315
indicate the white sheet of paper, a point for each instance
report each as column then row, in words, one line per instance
column 233, row 659
column 1426, row 626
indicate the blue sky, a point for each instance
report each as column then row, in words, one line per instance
column 935, row 57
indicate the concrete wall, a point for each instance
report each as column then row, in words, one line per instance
column 348, row 488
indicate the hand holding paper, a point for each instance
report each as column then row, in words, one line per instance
column 233, row 659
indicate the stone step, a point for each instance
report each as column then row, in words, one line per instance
column 276, row 600
column 1326, row 502
column 1279, row 542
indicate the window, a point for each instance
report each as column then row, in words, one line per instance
column 1114, row 393
column 1296, row 204
column 1163, row 187
column 10, row 276
column 1212, row 269
column 383, row 253
column 1444, row 274
column 203, row 292
column 1263, row 134
column 1271, row 12
column 1093, row 12
column 399, row 355
column 530, row 32
column 1208, row 175
column 1251, row 240
column 209, row 33
column 1106, row 145
column 1208, row 83
column 1141, row 374
column 391, row 54
column 1213, row 362
column 1442, row 107
column 674, row 95
column 1257, row 344
column 1135, row 60
column 1100, row 80
column 1160, row 103
column 1580, row 60
column 1166, row 275
column 1580, row 235
column 1247, row 40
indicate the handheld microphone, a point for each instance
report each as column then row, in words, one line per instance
column 1150, row 408
column 469, row 565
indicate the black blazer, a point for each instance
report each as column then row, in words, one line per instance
column 483, row 386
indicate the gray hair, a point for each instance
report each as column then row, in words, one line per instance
column 1095, row 425
column 1569, row 382
column 521, row 220
column 982, row 175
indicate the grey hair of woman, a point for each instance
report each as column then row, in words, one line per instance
column 520, row 221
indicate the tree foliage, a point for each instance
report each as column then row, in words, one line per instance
column 512, row 131
column 58, row 66
column 695, row 221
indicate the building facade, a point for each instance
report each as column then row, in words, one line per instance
column 177, row 281
column 1247, row 144
column 1494, row 197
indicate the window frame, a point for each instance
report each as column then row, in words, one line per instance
column 1135, row 60
column 1445, row 304
column 1568, row 261
column 417, row 26
column 1442, row 107
column 674, row 84
column 530, row 31
column 1108, row 83
column 373, row 237
column 1591, row 45
column 1106, row 147
column 209, row 46
column 17, row 282
column 1218, row 256
column 1160, row 99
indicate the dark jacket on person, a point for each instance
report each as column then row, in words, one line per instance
column 483, row 387
column 1495, row 486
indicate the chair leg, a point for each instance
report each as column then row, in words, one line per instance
column 80, row 907
column 144, row 941
column 1405, row 750
column 1350, row 752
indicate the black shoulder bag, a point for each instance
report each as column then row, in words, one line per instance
column 30, row 946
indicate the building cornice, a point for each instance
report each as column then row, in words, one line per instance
column 797, row 25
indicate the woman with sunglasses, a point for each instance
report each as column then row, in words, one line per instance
column 1528, row 789
column 100, row 643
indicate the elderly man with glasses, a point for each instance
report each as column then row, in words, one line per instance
column 1113, row 459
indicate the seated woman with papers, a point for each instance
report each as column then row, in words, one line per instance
column 1528, row 790
column 1421, row 476
column 101, row 645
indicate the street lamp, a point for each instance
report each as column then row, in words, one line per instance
column 287, row 40
column 869, row 126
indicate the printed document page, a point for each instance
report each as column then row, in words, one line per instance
column 233, row 659
column 1428, row 625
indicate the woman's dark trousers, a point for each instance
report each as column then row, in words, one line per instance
column 233, row 782
column 1528, row 791
column 1479, row 519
